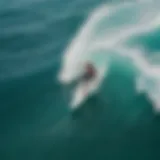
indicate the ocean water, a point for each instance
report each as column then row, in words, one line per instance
column 40, row 40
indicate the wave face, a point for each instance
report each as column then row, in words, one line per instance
column 42, row 39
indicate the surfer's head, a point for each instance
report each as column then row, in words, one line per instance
column 89, row 66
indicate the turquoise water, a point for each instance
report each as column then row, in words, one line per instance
column 121, row 122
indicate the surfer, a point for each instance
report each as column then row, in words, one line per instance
column 90, row 72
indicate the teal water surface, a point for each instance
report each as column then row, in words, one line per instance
column 36, row 122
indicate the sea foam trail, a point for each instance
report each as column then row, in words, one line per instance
column 76, row 53
column 105, row 31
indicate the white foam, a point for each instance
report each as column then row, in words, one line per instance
column 76, row 52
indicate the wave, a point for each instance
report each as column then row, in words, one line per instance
column 119, row 31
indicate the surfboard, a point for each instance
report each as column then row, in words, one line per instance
column 84, row 90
